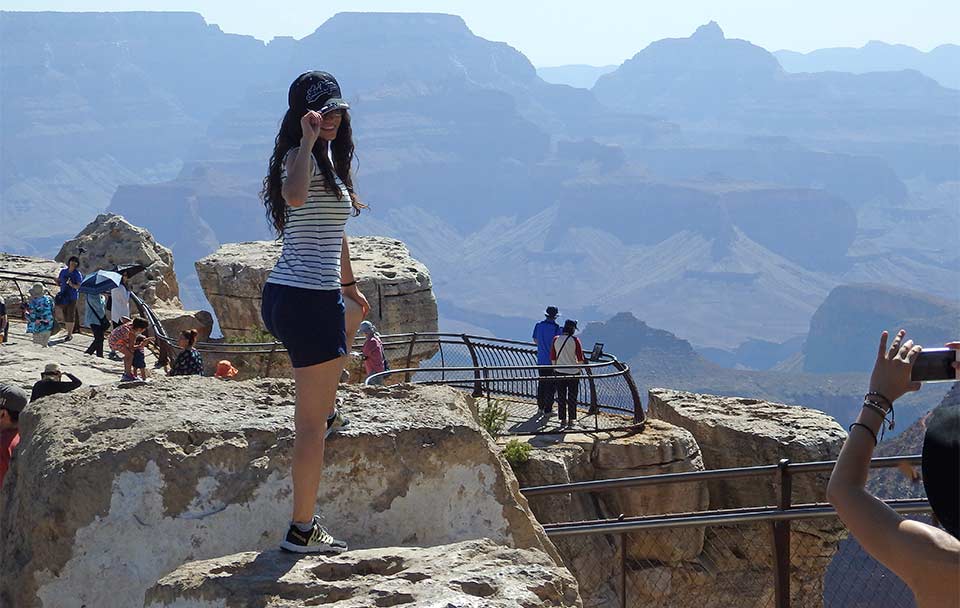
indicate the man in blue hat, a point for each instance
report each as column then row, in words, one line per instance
column 543, row 334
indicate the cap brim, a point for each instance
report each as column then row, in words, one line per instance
column 330, row 105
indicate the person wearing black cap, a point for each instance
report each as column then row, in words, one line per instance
column 12, row 401
column 925, row 557
column 310, row 301
column 543, row 334
column 567, row 351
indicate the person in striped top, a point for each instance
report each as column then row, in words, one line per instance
column 310, row 301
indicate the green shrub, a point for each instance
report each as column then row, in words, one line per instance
column 493, row 417
column 516, row 452
column 254, row 336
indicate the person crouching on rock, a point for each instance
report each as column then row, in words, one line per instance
column 311, row 302
column 123, row 341
column 188, row 362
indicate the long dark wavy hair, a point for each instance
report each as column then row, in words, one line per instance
column 342, row 151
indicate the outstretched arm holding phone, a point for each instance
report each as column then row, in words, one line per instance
column 925, row 557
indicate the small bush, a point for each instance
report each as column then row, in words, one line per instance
column 493, row 417
column 254, row 336
column 516, row 452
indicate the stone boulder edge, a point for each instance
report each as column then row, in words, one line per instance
column 594, row 559
column 113, row 488
column 469, row 573
column 741, row 432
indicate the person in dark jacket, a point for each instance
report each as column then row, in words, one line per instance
column 188, row 362
column 543, row 334
column 51, row 382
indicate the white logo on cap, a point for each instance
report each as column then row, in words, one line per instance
column 319, row 89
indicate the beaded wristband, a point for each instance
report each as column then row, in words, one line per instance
column 869, row 430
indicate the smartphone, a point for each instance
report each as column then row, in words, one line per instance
column 597, row 351
column 935, row 365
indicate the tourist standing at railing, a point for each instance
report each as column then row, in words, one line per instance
column 543, row 334
column 39, row 315
column 311, row 302
column 69, row 280
column 925, row 557
column 374, row 360
column 567, row 350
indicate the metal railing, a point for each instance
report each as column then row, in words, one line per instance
column 506, row 371
column 789, row 537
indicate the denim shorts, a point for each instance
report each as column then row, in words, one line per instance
column 139, row 359
column 309, row 322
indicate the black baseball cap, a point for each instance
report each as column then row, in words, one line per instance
column 552, row 312
column 12, row 398
column 317, row 91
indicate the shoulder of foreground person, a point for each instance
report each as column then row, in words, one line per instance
column 936, row 558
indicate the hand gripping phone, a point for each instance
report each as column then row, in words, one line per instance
column 935, row 365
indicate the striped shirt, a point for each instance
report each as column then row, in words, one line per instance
column 313, row 236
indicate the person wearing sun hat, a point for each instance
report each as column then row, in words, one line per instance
column 39, row 315
column 225, row 370
column 51, row 382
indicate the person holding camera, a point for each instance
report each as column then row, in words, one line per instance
column 69, row 280
column 925, row 557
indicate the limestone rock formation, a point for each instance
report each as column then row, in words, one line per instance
column 595, row 559
column 737, row 432
column 110, row 240
column 469, row 573
column 397, row 286
column 176, row 320
column 14, row 293
column 194, row 468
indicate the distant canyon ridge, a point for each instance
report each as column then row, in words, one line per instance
column 699, row 184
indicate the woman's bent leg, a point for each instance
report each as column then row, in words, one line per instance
column 316, row 392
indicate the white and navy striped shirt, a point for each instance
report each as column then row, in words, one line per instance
column 313, row 236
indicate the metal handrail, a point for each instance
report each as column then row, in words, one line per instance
column 709, row 475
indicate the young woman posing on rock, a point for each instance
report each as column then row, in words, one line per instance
column 925, row 557
column 310, row 300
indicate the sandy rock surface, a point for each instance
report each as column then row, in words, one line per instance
column 112, row 488
column 475, row 573
column 397, row 286
column 110, row 240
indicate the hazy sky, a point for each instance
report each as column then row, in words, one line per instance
column 552, row 32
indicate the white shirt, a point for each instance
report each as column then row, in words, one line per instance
column 119, row 303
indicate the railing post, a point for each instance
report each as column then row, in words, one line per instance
column 623, row 570
column 477, row 385
column 638, row 414
column 781, row 537
column 413, row 341
column 594, row 406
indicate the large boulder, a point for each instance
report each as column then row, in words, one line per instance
column 594, row 559
column 738, row 432
column 397, row 286
column 113, row 487
column 110, row 241
column 469, row 573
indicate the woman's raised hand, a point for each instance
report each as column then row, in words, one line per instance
column 891, row 372
column 310, row 125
